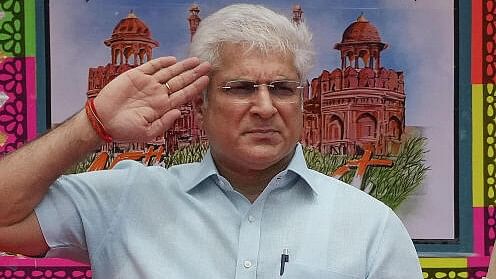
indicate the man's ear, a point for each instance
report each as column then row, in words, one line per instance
column 198, row 105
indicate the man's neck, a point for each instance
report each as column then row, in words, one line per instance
column 249, row 182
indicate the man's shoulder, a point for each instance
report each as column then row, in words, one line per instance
column 130, row 172
column 179, row 169
column 342, row 194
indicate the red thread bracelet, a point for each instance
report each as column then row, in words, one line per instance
column 95, row 121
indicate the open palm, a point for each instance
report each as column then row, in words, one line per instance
column 138, row 106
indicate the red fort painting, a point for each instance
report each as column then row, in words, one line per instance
column 355, row 107
column 359, row 105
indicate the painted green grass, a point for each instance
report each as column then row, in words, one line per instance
column 188, row 154
column 391, row 185
column 83, row 165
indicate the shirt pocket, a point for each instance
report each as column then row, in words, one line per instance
column 302, row 271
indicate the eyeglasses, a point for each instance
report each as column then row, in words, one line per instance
column 243, row 91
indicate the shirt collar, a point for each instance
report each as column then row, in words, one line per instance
column 206, row 169
column 297, row 165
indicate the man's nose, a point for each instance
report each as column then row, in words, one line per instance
column 263, row 104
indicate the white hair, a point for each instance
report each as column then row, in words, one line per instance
column 257, row 28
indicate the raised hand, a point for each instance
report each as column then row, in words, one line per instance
column 135, row 106
column 139, row 106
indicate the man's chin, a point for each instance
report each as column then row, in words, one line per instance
column 263, row 157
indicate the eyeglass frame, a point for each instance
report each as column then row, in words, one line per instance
column 275, row 98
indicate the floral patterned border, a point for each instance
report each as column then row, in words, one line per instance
column 13, row 114
column 489, row 64
column 16, row 82
column 45, row 272
column 489, row 126
column 469, row 273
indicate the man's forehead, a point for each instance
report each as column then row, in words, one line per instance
column 238, row 61
column 243, row 50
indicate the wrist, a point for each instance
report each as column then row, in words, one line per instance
column 87, row 134
column 96, row 122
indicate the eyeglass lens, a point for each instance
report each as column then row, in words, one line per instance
column 280, row 90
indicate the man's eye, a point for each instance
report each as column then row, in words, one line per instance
column 241, row 88
column 284, row 88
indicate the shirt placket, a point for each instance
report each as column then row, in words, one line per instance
column 249, row 243
column 249, row 236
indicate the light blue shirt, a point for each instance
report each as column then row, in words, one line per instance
column 188, row 222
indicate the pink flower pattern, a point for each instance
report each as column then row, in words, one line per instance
column 13, row 120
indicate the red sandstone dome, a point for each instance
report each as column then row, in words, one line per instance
column 130, row 27
column 361, row 31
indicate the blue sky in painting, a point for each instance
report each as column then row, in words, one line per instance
column 419, row 34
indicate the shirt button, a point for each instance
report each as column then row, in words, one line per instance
column 251, row 218
column 247, row 264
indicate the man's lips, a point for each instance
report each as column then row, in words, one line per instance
column 261, row 131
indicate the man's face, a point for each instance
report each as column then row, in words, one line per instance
column 255, row 134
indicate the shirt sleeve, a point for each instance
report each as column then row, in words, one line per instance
column 395, row 255
column 79, row 210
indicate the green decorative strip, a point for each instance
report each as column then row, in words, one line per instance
column 30, row 27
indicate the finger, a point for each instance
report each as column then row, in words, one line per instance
column 163, row 123
column 184, row 79
column 164, row 102
column 156, row 65
column 167, row 73
column 186, row 94
column 169, row 87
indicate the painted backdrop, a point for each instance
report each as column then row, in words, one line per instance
column 418, row 51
